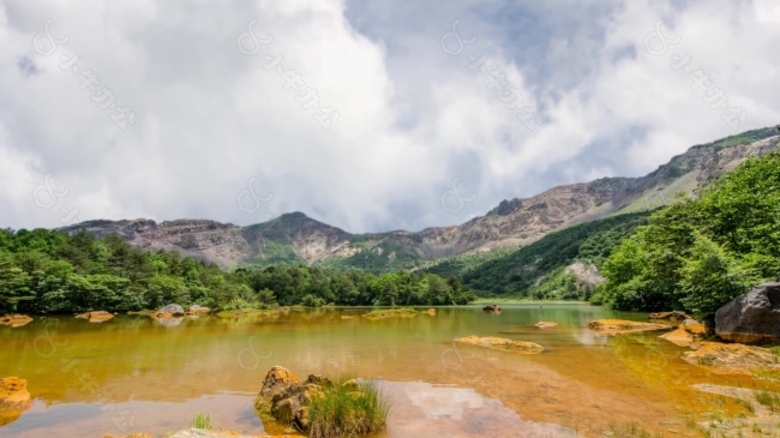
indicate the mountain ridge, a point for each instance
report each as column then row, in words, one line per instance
column 295, row 238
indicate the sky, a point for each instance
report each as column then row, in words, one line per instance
column 369, row 115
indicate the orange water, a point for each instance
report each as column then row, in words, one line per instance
column 133, row 374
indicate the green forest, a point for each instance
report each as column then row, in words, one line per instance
column 44, row 271
column 536, row 270
column 698, row 254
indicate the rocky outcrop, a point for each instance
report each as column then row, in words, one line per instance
column 198, row 310
column 622, row 327
column 288, row 400
column 513, row 222
column 494, row 308
column 170, row 311
column 96, row 316
column 14, row 399
column 751, row 318
column 201, row 433
column 687, row 334
column 674, row 315
column 503, row 344
column 733, row 357
column 15, row 320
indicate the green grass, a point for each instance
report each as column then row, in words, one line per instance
column 769, row 399
column 202, row 421
column 390, row 313
column 631, row 430
column 775, row 349
column 347, row 409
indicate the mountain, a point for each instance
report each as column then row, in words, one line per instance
column 295, row 238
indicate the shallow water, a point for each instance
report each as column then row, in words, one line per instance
column 134, row 374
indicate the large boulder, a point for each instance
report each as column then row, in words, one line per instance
column 495, row 308
column 753, row 317
column 174, row 309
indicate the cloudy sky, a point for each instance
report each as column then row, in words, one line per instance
column 360, row 113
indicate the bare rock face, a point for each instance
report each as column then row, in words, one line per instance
column 171, row 311
column 513, row 222
column 751, row 318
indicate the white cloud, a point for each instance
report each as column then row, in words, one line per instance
column 411, row 117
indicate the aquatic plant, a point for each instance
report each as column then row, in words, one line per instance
column 347, row 409
column 202, row 421
column 389, row 313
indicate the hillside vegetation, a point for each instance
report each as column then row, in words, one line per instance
column 698, row 254
column 44, row 271
column 522, row 272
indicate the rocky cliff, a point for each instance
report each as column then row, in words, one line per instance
column 296, row 238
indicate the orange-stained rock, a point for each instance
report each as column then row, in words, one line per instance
column 673, row 315
column 200, row 433
column 13, row 391
column 15, row 320
column 14, row 399
column 694, row 327
column 679, row 337
column 546, row 324
column 501, row 344
column 432, row 312
column 621, row 327
column 277, row 377
column 732, row 357
column 96, row 316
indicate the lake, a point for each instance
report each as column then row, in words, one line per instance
column 133, row 373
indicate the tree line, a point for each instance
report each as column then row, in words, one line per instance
column 48, row 271
column 698, row 254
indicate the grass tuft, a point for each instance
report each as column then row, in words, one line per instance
column 390, row 313
column 769, row 399
column 347, row 409
column 202, row 421
column 631, row 430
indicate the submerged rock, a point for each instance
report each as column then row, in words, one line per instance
column 96, row 316
column 546, row 324
column 622, row 327
column 735, row 357
column 501, row 344
column 15, row 320
column 751, row 318
column 679, row 337
column 432, row 311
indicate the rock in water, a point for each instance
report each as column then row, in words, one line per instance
column 751, row 318
column 14, row 399
column 96, row 316
column 15, row 320
column 504, row 344
column 173, row 309
column 622, row 327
